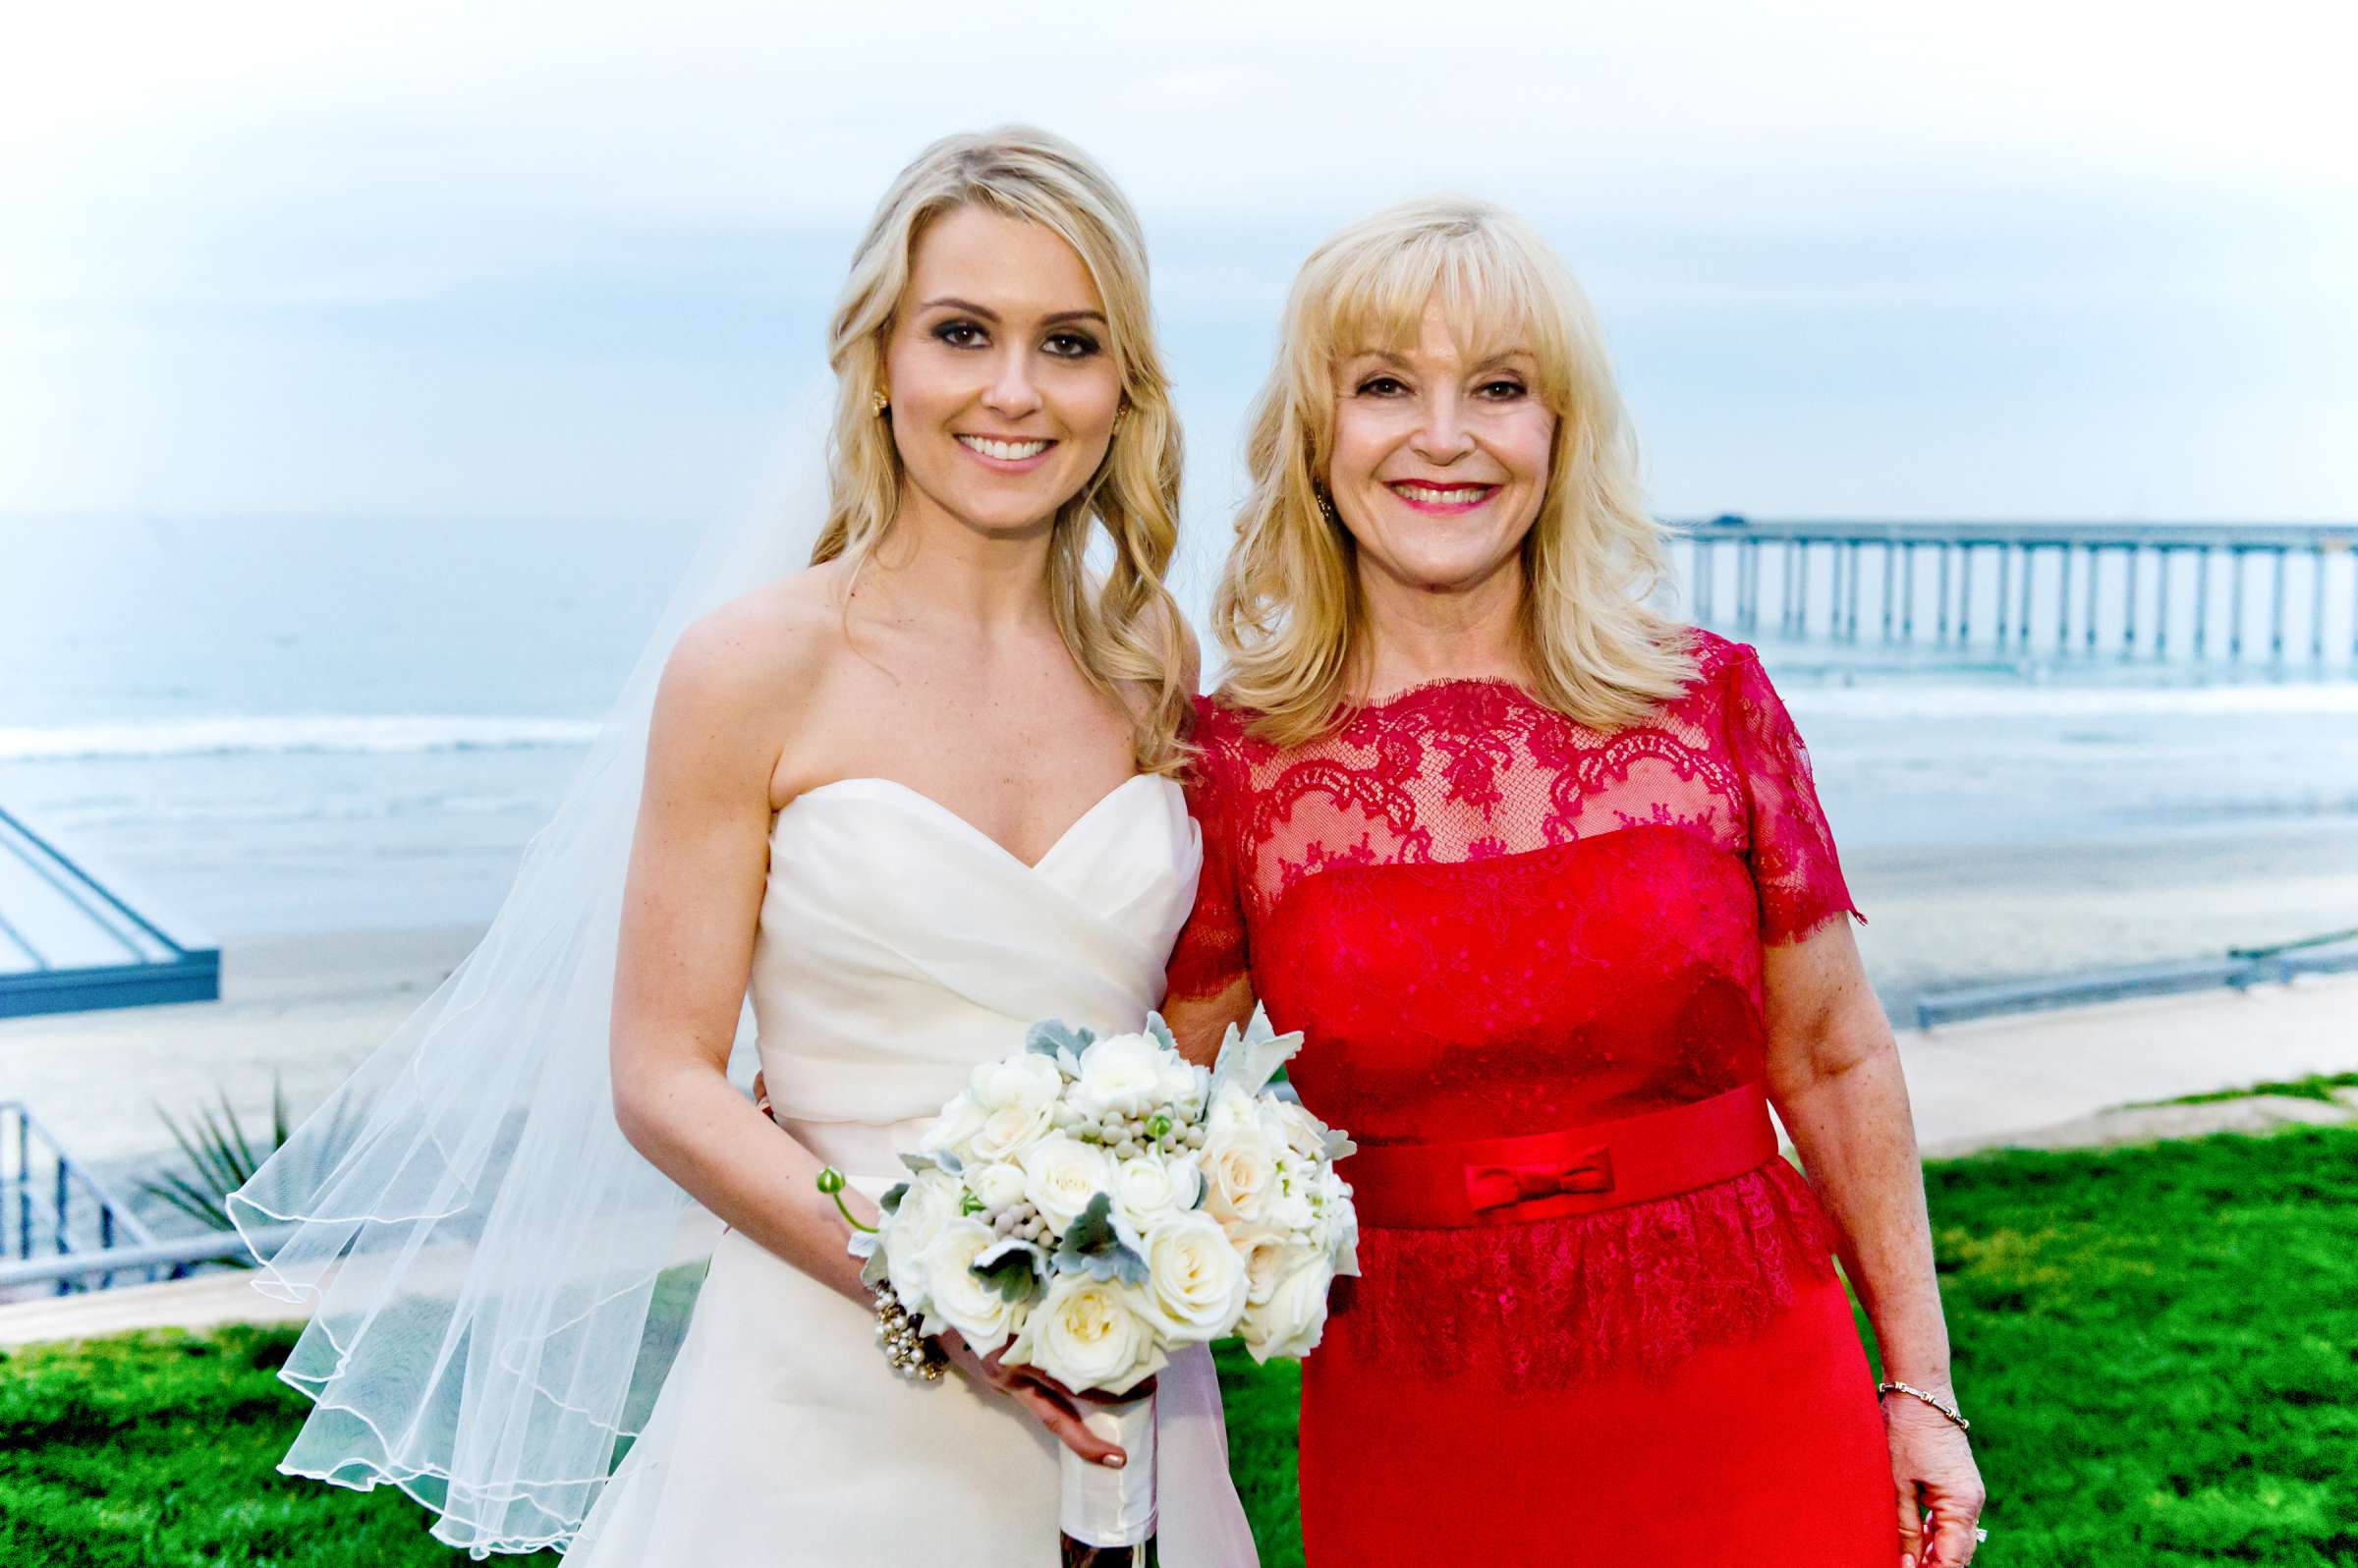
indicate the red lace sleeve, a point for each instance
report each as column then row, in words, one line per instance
column 1794, row 868
column 1213, row 951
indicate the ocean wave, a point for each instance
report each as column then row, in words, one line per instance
column 150, row 812
column 243, row 735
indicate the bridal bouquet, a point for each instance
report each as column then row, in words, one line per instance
column 1092, row 1204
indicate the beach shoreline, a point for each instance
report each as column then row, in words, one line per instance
column 311, row 1008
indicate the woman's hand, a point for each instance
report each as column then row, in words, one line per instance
column 1939, row 1486
column 1050, row 1403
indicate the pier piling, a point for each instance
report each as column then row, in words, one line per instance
column 2023, row 617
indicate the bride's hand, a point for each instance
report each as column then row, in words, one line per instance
column 1932, row 1465
column 1050, row 1403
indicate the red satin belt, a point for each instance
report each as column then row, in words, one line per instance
column 1579, row 1170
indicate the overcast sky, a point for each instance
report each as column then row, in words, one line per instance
column 1863, row 259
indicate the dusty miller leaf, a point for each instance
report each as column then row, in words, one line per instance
column 1017, row 1269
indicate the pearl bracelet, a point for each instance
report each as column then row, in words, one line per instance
column 911, row 1353
column 1946, row 1408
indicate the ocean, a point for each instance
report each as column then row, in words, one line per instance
column 268, row 728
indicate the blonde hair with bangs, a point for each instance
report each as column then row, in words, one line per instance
column 1124, row 630
column 1288, row 611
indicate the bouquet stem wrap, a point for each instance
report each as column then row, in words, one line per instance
column 1102, row 1506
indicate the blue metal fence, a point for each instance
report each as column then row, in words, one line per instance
column 68, row 944
column 55, row 1207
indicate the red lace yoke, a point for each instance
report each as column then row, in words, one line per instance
column 1487, row 920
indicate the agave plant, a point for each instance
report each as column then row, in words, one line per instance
column 224, row 1158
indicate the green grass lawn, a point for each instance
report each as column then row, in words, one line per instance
column 2158, row 1346
column 2317, row 1086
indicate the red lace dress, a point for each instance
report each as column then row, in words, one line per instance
column 1489, row 920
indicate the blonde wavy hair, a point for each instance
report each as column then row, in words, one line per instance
column 1288, row 611
column 1122, row 627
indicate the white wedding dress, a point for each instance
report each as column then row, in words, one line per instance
column 899, row 946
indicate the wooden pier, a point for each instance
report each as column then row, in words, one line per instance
column 2278, row 594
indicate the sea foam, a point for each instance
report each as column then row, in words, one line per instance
column 232, row 735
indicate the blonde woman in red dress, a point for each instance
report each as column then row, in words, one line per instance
column 1542, row 876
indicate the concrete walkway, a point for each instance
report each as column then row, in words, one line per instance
column 2051, row 1080
column 203, row 1302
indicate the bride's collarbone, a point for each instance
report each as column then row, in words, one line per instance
column 1022, row 785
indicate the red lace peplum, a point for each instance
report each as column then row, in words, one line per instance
column 1489, row 920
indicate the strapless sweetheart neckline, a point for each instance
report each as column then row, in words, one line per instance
column 928, row 802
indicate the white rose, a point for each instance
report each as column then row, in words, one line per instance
column 1231, row 1108
column 1334, row 1224
column 1030, row 1080
column 996, row 1185
column 1088, row 1333
column 1196, row 1282
column 1291, row 1210
column 971, row 1306
column 1266, row 1255
column 1005, row 1131
column 930, row 1203
column 1304, row 1133
column 1240, row 1174
column 952, row 1127
column 1149, row 1187
column 1119, row 1074
column 1342, row 1227
column 1061, row 1175
column 1180, row 1084
column 1291, row 1322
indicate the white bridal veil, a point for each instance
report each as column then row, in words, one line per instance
column 498, row 1279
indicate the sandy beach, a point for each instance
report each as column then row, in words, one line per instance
column 309, row 1009
column 1989, row 912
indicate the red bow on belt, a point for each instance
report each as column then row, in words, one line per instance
column 1503, row 1186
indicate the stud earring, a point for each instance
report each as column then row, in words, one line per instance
column 880, row 400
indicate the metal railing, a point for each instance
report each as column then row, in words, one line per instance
column 166, row 1259
column 154, row 967
column 64, row 1210
column 2240, row 968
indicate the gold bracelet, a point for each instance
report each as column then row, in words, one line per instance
column 912, row 1354
column 1946, row 1407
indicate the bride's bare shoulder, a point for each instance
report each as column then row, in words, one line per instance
column 762, row 652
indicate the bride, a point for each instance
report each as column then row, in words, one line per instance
column 906, row 800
